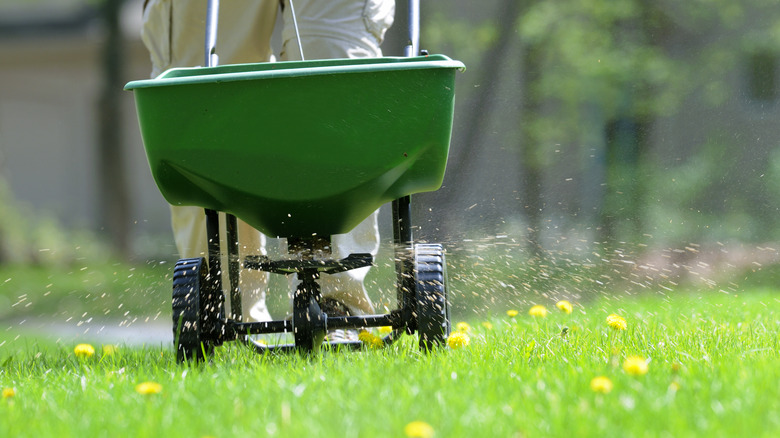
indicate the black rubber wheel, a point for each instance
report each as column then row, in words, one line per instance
column 191, row 335
column 433, row 315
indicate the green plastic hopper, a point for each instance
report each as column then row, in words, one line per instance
column 302, row 147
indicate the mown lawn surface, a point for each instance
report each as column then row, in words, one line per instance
column 713, row 369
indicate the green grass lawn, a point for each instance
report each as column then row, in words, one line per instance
column 712, row 370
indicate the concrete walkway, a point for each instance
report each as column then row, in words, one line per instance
column 136, row 333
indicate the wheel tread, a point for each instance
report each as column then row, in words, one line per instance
column 432, row 310
column 188, row 312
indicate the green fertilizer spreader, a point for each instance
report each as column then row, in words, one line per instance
column 301, row 150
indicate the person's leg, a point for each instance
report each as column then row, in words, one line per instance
column 189, row 233
column 337, row 28
column 174, row 32
column 342, row 29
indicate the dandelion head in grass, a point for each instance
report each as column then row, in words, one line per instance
column 8, row 392
column 463, row 327
column 487, row 325
column 419, row 429
column 511, row 313
column 458, row 340
column 538, row 311
column 601, row 384
column 635, row 365
column 385, row 330
column 564, row 306
column 370, row 340
column 108, row 350
column 147, row 388
column 616, row 322
column 83, row 351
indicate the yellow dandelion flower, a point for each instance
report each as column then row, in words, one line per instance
column 8, row 392
column 419, row 429
column 370, row 340
column 538, row 311
column 463, row 327
column 616, row 322
column 83, row 351
column 458, row 340
column 487, row 325
column 601, row 384
column 147, row 388
column 108, row 350
column 385, row 330
column 564, row 306
column 511, row 313
column 674, row 386
column 635, row 365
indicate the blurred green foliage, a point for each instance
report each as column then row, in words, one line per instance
column 32, row 236
column 608, row 72
column 88, row 289
column 594, row 78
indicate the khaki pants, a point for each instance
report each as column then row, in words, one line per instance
column 174, row 33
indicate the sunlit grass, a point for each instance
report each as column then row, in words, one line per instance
column 712, row 367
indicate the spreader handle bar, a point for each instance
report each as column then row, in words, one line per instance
column 212, row 17
column 297, row 32
column 413, row 39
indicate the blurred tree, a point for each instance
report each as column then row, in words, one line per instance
column 114, row 193
column 531, row 154
column 603, row 58
column 590, row 66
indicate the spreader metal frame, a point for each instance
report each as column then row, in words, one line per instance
column 201, row 320
column 309, row 324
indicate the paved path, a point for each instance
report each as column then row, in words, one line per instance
column 151, row 333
